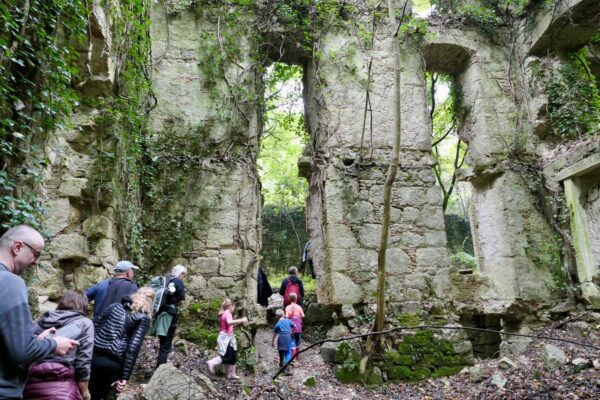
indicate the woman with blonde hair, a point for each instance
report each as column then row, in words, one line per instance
column 120, row 331
column 226, row 343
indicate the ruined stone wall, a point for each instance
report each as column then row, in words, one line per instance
column 80, row 219
column 199, row 119
column 349, row 168
column 200, row 204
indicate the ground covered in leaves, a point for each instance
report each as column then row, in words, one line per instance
column 528, row 380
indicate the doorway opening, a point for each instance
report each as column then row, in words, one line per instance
column 283, row 191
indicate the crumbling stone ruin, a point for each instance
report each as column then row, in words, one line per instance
column 189, row 191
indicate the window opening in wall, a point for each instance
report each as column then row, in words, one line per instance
column 449, row 153
column 284, row 192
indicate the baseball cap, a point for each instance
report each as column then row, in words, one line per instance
column 123, row 266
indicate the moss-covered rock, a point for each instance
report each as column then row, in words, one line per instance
column 346, row 355
column 374, row 376
column 446, row 371
column 394, row 358
column 421, row 356
column 347, row 373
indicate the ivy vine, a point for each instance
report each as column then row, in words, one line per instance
column 37, row 64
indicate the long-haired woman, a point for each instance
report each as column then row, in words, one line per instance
column 120, row 331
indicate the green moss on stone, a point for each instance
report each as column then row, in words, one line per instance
column 422, row 338
column 446, row 371
column 408, row 319
column 310, row 381
column 394, row 358
column 346, row 355
column 404, row 373
column 374, row 377
column 421, row 356
column 347, row 373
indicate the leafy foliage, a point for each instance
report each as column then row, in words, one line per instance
column 37, row 64
column 284, row 192
column 573, row 96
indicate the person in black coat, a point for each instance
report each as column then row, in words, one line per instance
column 264, row 288
column 119, row 333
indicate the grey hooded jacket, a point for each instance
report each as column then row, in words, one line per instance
column 81, row 357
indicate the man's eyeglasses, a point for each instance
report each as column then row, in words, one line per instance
column 36, row 253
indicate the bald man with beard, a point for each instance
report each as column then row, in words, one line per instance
column 20, row 248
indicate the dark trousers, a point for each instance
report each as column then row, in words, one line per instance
column 105, row 371
column 166, row 344
column 282, row 357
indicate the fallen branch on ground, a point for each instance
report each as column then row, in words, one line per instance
column 441, row 327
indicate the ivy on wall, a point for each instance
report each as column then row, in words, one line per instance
column 37, row 64
column 119, row 165
column 573, row 96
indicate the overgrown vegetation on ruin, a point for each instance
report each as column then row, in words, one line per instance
column 38, row 64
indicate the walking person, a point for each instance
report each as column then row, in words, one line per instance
column 226, row 343
column 20, row 248
column 292, row 284
column 120, row 331
column 295, row 314
column 64, row 377
column 112, row 290
column 283, row 328
column 167, row 317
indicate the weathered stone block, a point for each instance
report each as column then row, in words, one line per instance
column 369, row 236
column 341, row 236
column 231, row 263
column 72, row 187
column 221, row 282
column 170, row 383
column 398, row 262
column 432, row 257
column 98, row 227
column 69, row 246
column 60, row 214
column 344, row 290
column 360, row 212
column 106, row 251
column 205, row 265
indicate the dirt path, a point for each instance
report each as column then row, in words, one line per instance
column 310, row 364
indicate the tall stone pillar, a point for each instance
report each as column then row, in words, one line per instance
column 351, row 148
column 204, row 195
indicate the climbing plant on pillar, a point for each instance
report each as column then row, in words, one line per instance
column 37, row 64
column 119, row 163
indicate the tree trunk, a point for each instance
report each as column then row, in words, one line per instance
column 374, row 340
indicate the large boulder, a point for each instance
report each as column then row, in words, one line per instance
column 169, row 383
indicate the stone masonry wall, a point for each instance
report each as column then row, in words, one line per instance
column 203, row 195
column 221, row 198
column 349, row 169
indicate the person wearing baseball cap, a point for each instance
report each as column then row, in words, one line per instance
column 112, row 290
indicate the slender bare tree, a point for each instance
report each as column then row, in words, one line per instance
column 375, row 340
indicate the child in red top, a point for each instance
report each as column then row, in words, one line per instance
column 295, row 313
column 226, row 343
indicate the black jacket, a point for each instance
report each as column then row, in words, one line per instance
column 264, row 288
column 120, row 333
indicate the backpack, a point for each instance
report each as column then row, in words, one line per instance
column 292, row 287
column 160, row 285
